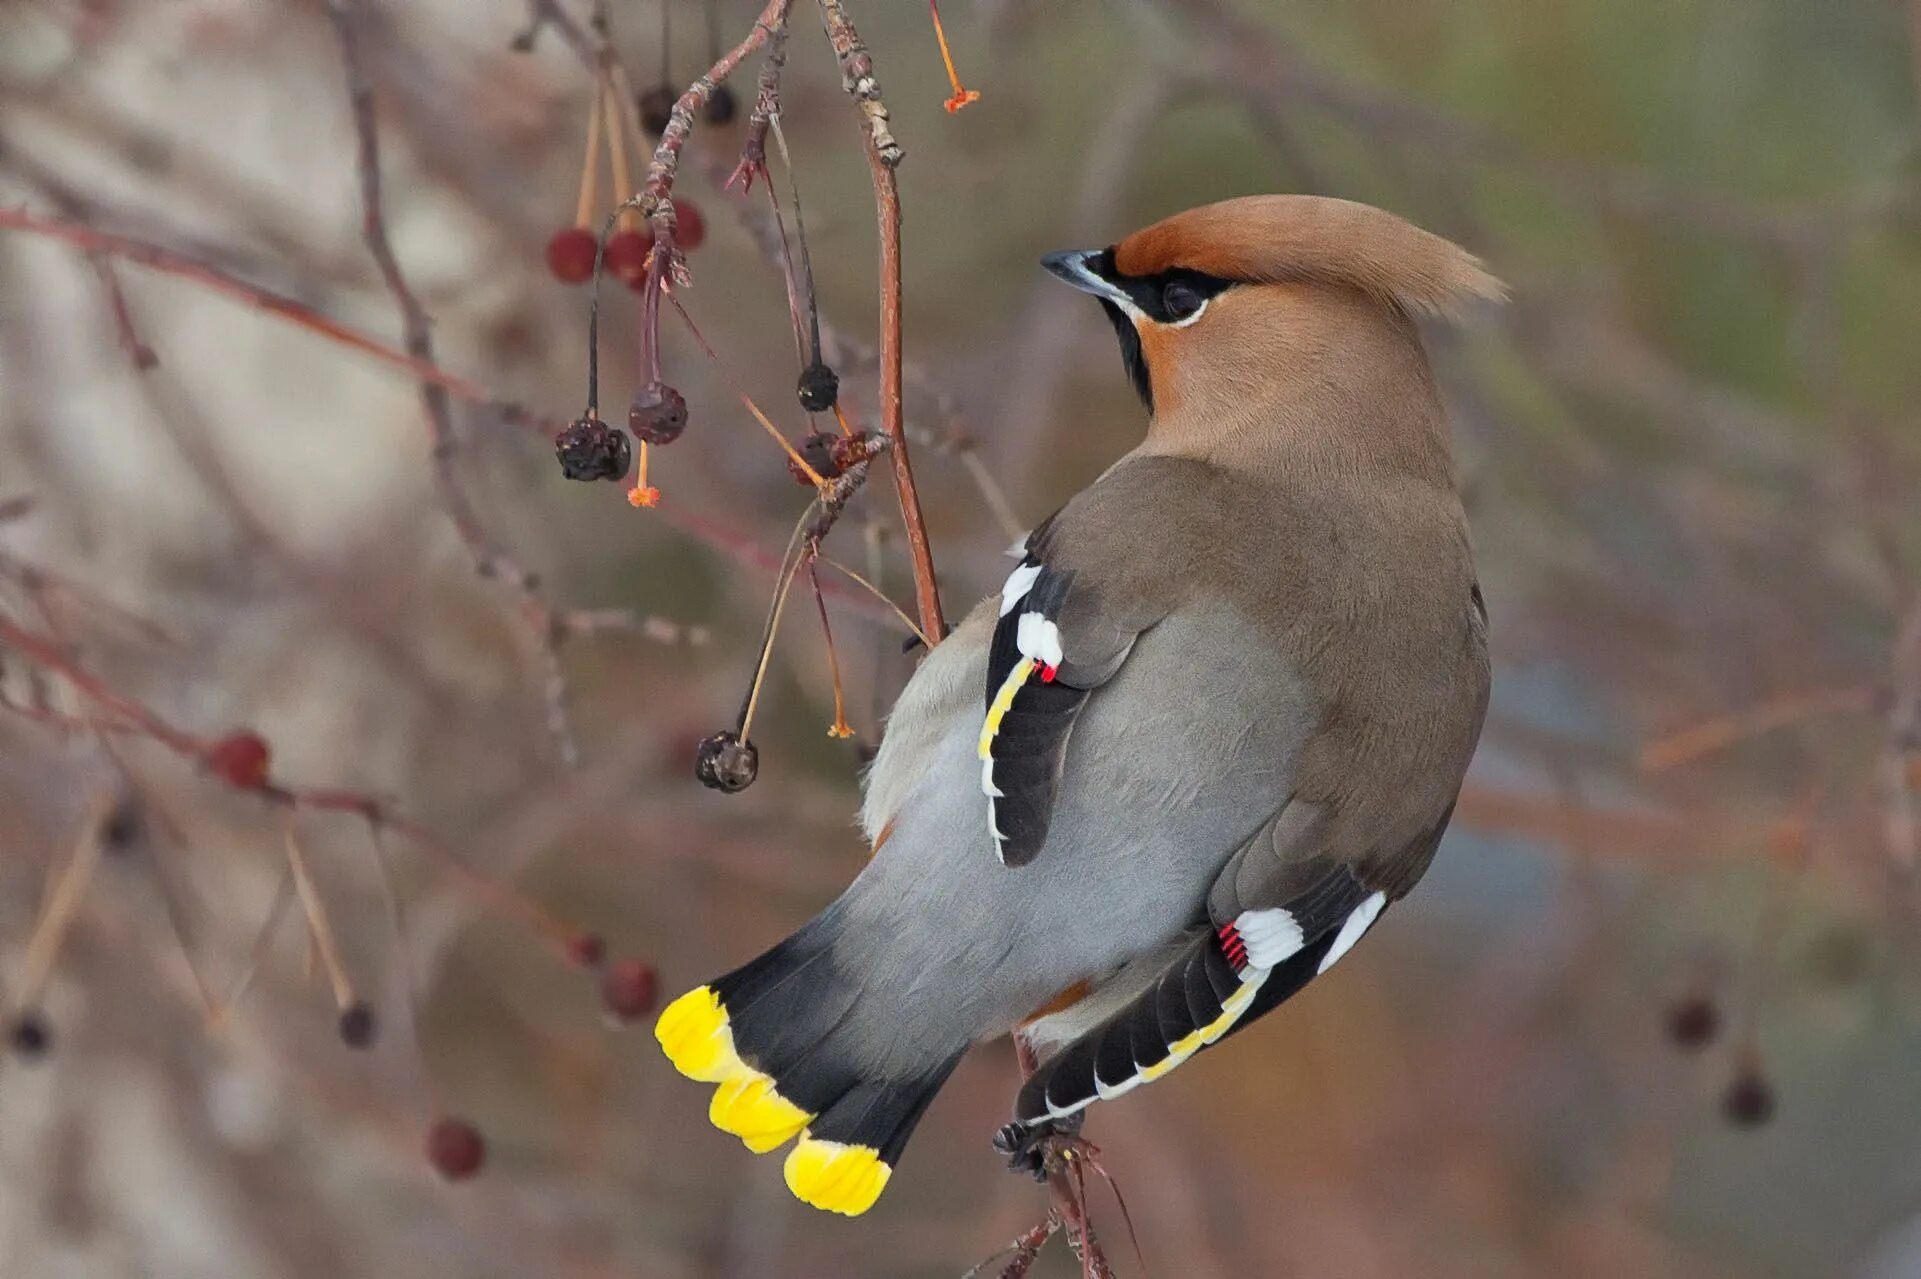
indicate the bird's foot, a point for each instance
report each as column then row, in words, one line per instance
column 1040, row 1148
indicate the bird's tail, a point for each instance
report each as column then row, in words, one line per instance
column 770, row 1036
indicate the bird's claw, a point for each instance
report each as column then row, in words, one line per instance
column 1037, row 1148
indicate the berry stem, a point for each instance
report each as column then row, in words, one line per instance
column 868, row 586
column 61, row 904
column 793, row 454
column 319, row 925
column 789, row 565
column 642, row 493
column 256, row 953
column 617, row 145
column 666, row 41
column 840, row 727
column 806, row 261
column 590, row 167
column 962, row 96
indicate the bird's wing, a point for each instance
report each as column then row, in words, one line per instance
column 1282, row 911
column 1088, row 583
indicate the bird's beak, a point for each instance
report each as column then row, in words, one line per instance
column 1076, row 266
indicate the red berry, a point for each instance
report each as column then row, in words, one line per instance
column 626, row 258
column 586, row 950
column 690, row 228
column 240, row 759
column 570, row 254
column 629, row 988
column 455, row 1148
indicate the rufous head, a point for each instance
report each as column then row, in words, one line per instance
column 1215, row 304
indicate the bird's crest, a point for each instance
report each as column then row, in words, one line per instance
column 1272, row 239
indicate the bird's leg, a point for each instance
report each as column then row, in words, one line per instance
column 1039, row 1148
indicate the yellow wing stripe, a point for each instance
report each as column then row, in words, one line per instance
column 836, row 1177
column 694, row 1033
column 1187, row 1045
column 997, row 709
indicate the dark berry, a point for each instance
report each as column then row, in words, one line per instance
column 1749, row 1100
column 357, row 1024
column 29, row 1036
column 455, row 1148
column 570, row 255
column 122, row 830
column 629, row 988
column 589, row 449
column 658, row 414
column 626, row 258
column 586, row 950
column 721, row 106
column 240, row 759
column 657, row 108
column 726, row 763
column 817, row 448
column 819, row 388
column 690, row 228
column 1693, row 1022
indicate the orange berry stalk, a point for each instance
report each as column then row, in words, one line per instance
column 962, row 96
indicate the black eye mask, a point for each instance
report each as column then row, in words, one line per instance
column 1167, row 297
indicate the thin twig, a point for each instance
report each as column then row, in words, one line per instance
column 884, row 155
column 489, row 560
column 95, row 242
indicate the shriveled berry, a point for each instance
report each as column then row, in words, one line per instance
column 626, row 258
column 29, row 1036
column 1749, row 1099
column 819, row 387
column 726, row 763
column 657, row 108
column 570, row 254
column 629, row 989
column 690, row 228
column 357, row 1024
column 721, row 106
column 589, row 449
column 849, row 450
column 1693, row 1022
column 817, row 449
column 240, row 759
column 658, row 414
column 455, row 1148
column 586, row 950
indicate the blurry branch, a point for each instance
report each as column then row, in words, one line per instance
column 489, row 559
column 1696, row 741
column 883, row 157
column 133, row 716
column 169, row 262
column 1899, row 766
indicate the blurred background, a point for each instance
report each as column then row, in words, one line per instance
column 1653, row 1013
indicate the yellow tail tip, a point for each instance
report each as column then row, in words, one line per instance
column 694, row 1034
column 836, row 1177
column 751, row 1109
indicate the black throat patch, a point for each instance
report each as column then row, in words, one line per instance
column 1148, row 294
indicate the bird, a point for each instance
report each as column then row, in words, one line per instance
column 1212, row 725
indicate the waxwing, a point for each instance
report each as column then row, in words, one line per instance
column 1211, row 727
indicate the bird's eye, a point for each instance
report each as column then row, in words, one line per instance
column 1181, row 301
